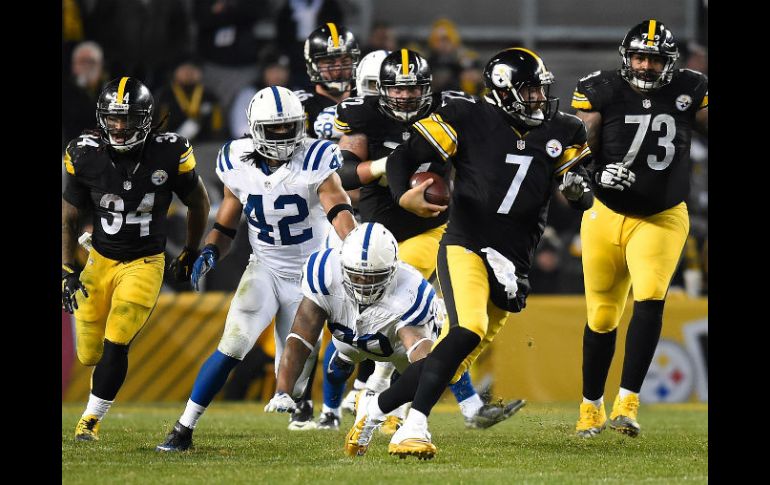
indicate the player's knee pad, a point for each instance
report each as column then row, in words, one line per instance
column 125, row 320
column 605, row 318
column 236, row 340
column 90, row 354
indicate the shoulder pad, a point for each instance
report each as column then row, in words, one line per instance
column 229, row 156
column 319, row 270
column 354, row 113
column 420, row 298
column 303, row 95
column 592, row 90
column 88, row 142
column 320, row 156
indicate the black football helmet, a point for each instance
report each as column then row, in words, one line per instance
column 331, row 41
column 405, row 68
column 124, row 113
column 511, row 70
column 649, row 37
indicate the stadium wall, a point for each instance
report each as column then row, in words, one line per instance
column 536, row 356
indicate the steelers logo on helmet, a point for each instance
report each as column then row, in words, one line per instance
column 653, row 41
column 519, row 83
column 124, row 113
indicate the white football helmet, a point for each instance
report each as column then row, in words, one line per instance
column 276, row 122
column 368, row 73
column 369, row 262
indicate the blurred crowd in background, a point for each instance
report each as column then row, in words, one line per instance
column 203, row 60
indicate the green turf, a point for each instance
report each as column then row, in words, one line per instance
column 239, row 443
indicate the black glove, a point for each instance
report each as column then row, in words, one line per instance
column 70, row 284
column 181, row 266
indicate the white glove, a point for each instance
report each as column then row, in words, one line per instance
column 280, row 403
column 377, row 167
column 505, row 271
column 572, row 186
column 615, row 176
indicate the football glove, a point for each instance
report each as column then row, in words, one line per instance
column 280, row 403
column 572, row 186
column 70, row 284
column 205, row 263
column 615, row 176
column 181, row 266
column 504, row 270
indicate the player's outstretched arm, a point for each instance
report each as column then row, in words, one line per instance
column 307, row 327
column 593, row 122
column 198, row 206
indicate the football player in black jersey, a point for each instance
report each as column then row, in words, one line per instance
column 331, row 57
column 509, row 151
column 125, row 173
column 373, row 126
column 639, row 120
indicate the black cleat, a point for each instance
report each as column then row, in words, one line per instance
column 302, row 417
column 328, row 421
column 491, row 414
column 179, row 439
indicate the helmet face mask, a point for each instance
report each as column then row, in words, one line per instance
column 124, row 114
column 520, row 85
column 650, row 39
column 369, row 262
column 405, row 85
column 276, row 122
column 331, row 56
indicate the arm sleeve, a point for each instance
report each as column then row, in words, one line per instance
column 349, row 171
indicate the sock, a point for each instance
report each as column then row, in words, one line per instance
column 470, row 406
column 110, row 372
column 416, row 419
column 358, row 385
column 463, row 389
column 598, row 349
column 326, row 409
column 623, row 393
column 641, row 341
column 336, row 373
column 212, row 377
column 192, row 413
column 441, row 365
column 598, row 402
column 97, row 406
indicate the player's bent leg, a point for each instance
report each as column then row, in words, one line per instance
column 337, row 369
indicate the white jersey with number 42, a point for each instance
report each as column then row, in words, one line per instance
column 285, row 218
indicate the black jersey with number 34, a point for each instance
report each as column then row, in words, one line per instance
column 130, row 207
column 503, row 178
column 648, row 132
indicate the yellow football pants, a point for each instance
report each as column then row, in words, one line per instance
column 621, row 252
column 420, row 251
column 121, row 296
column 464, row 282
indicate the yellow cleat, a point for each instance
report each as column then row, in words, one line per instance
column 410, row 441
column 87, row 428
column 360, row 435
column 592, row 420
column 623, row 416
column 421, row 448
column 391, row 425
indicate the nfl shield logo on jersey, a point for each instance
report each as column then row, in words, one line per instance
column 683, row 102
column 646, row 104
column 520, row 144
column 159, row 177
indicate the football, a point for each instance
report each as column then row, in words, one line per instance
column 437, row 192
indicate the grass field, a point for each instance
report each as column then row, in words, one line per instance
column 239, row 443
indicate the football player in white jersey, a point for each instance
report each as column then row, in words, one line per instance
column 286, row 185
column 376, row 306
